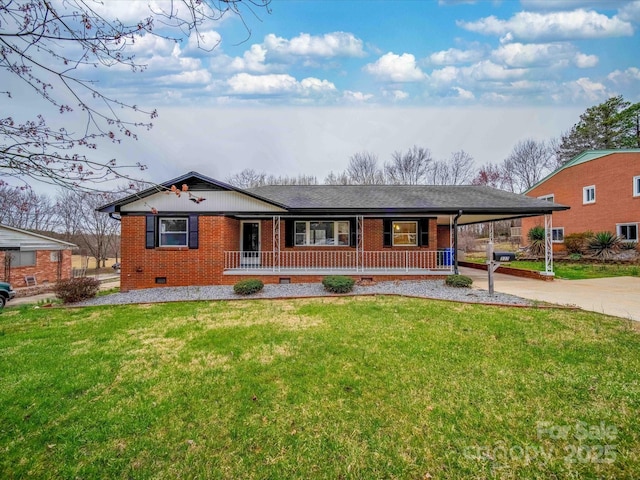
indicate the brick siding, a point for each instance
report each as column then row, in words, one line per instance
column 612, row 176
column 45, row 270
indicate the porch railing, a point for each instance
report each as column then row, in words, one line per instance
column 310, row 260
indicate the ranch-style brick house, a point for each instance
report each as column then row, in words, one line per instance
column 602, row 187
column 28, row 258
column 216, row 233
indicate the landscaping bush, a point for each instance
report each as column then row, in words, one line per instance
column 604, row 245
column 76, row 289
column 458, row 281
column 536, row 238
column 577, row 242
column 338, row 284
column 248, row 286
column 629, row 246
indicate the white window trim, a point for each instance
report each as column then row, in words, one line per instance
column 186, row 232
column 628, row 224
column 636, row 186
column 307, row 233
column 393, row 236
column 557, row 228
column 548, row 198
column 584, row 194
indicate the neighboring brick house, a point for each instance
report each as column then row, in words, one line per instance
column 299, row 233
column 29, row 256
column 603, row 190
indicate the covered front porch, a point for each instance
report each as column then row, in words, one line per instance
column 348, row 262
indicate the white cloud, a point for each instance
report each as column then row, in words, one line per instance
column 148, row 45
column 534, row 54
column 584, row 88
column 246, row 84
column 629, row 76
column 356, row 97
column 530, row 26
column 630, row 11
column 329, row 45
column 203, row 41
column 445, row 76
column 453, row 56
column 396, row 68
column 586, row 61
column 191, row 78
column 569, row 4
column 253, row 60
column 396, row 95
column 488, row 70
column 464, row 94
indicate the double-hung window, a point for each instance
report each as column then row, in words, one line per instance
column 557, row 235
column 628, row 231
column 589, row 194
column 405, row 233
column 325, row 233
column 174, row 232
column 636, row 186
column 548, row 198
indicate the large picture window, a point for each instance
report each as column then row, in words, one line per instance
column 22, row 259
column 313, row 233
column 174, row 232
column 405, row 233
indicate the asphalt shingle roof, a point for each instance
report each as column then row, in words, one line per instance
column 435, row 198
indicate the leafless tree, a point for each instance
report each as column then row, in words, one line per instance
column 247, row 178
column 336, row 179
column 528, row 163
column 458, row 170
column 410, row 168
column 24, row 208
column 363, row 169
column 301, row 179
column 49, row 47
column 97, row 231
column 490, row 175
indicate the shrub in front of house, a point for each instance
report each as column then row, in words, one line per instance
column 459, row 281
column 604, row 245
column 536, row 238
column 577, row 242
column 248, row 286
column 77, row 289
column 338, row 284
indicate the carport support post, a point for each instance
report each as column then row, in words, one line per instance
column 490, row 258
column 548, row 246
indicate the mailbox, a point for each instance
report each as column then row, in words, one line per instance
column 504, row 256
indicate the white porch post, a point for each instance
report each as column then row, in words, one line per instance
column 548, row 246
column 359, row 243
column 276, row 243
column 490, row 262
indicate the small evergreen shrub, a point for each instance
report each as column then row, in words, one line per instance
column 248, row 286
column 628, row 245
column 338, row 284
column 459, row 281
column 77, row 289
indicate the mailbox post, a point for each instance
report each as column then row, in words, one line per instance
column 493, row 262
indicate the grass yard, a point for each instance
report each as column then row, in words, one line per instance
column 340, row 388
column 574, row 271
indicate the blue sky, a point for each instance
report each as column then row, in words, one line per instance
column 318, row 81
column 412, row 53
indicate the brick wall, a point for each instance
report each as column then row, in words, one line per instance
column 45, row 270
column 141, row 267
column 612, row 176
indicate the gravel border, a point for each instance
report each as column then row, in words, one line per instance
column 434, row 289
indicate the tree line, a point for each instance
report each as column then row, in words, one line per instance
column 613, row 124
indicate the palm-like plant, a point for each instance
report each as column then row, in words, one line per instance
column 536, row 238
column 604, row 245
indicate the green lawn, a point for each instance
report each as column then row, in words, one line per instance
column 575, row 271
column 340, row 388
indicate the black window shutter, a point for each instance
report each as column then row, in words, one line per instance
column 387, row 240
column 423, row 232
column 193, row 231
column 353, row 237
column 150, row 232
column 289, row 233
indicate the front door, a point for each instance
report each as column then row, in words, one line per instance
column 250, row 243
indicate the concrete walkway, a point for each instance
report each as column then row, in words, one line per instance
column 617, row 296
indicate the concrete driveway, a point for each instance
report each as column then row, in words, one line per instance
column 617, row 296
